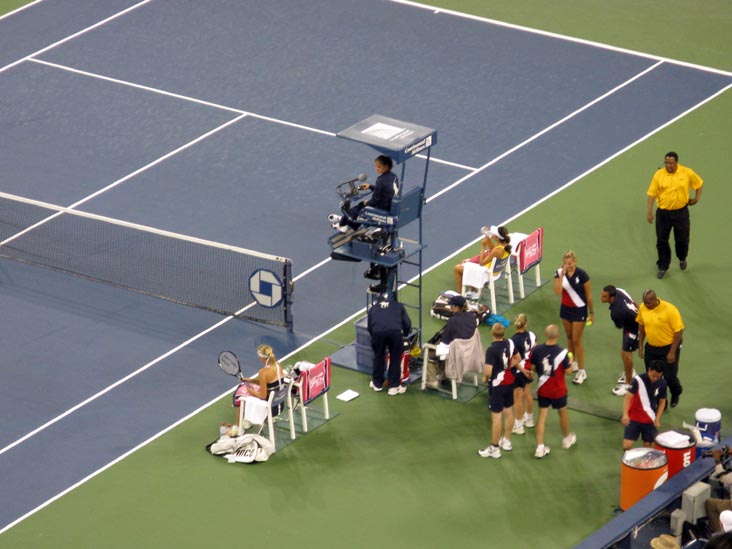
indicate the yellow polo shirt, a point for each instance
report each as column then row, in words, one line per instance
column 660, row 323
column 671, row 190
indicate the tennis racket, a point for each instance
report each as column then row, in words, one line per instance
column 229, row 363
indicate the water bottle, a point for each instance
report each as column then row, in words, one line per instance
column 222, row 430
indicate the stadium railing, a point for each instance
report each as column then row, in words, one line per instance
column 620, row 531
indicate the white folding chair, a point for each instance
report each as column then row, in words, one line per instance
column 478, row 276
column 278, row 401
column 475, row 367
column 311, row 384
column 527, row 253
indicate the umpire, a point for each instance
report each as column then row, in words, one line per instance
column 387, row 323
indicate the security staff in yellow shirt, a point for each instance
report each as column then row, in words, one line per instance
column 660, row 333
column 671, row 189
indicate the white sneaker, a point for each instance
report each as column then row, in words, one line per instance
column 542, row 451
column 400, row 390
column 505, row 444
column 518, row 428
column 529, row 421
column 375, row 387
column 621, row 379
column 580, row 377
column 491, row 451
column 621, row 389
column 341, row 228
column 334, row 218
column 568, row 441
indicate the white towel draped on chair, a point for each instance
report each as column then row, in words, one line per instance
column 474, row 275
column 255, row 410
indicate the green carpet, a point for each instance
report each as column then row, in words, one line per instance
column 403, row 471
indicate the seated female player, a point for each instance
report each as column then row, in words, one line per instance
column 270, row 377
column 495, row 244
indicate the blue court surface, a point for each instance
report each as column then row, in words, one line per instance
column 217, row 120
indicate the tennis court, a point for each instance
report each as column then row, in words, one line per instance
column 218, row 121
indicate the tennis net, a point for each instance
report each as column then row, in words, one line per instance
column 191, row 271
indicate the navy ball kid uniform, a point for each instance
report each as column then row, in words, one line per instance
column 500, row 389
column 550, row 363
column 623, row 312
column 643, row 407
column 524, row 342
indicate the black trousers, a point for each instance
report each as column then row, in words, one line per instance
column 670, row 369
column 380, row 343
column 679, row 221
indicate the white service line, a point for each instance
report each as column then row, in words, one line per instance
column 125, row 178
column 437, row 10
column 75, row 35
column 136, row 86
column 214, row 105
column 546, row 130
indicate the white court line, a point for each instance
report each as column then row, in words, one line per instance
column 137, row 86
column 75, row 35
column 21, row 8
column 210, row 104
column 446, row 163
column 584, row 42
column 122, row 180
column 546, row 130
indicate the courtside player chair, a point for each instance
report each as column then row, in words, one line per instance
column 478, row 276
column 312, row 384
column 527, row 253
column 465, row 356
column 279, row 408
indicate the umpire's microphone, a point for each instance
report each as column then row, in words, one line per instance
column 361, row 177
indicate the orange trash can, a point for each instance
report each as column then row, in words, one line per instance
column 642, row 471
column 679, row 455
